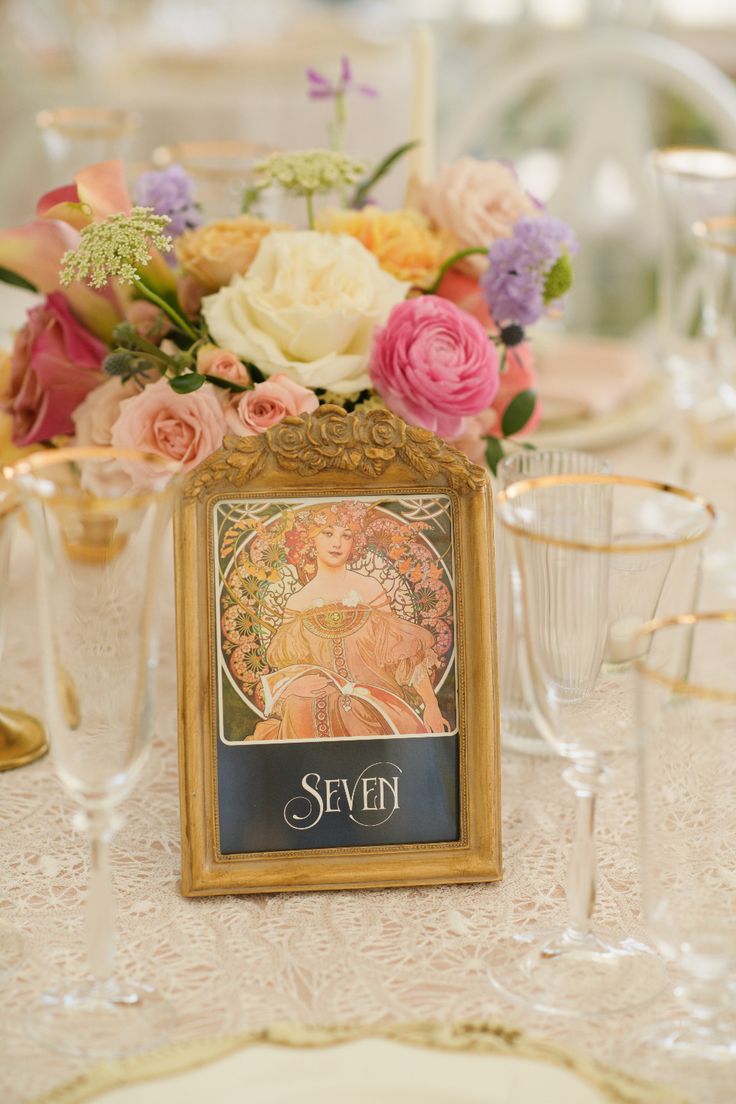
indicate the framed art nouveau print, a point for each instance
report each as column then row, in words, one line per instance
column 336, row 659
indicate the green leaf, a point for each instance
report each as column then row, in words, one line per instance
column 229, row 385
column 15, row 280
column 518, row 413
column 183, row 385
column 363, row 189
column 494, row 453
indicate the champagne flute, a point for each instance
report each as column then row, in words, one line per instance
column 98, row 535
column 685, row 698
column 594, row 557
column 517, row 728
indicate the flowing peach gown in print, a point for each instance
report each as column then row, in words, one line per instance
column 342, row 669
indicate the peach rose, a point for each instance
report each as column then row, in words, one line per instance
column 149, row 320
column 94, row 418
column 212, row 361
column 216, row 252
column 465, row 291
column 477, row 201
column 401, row 241
column 186, row 428
column 189, row 293
column 256, row 411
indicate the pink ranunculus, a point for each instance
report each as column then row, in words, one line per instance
column 149, row 320
column 255, row 411
column 55, row 363
column 186, row 428
column 433, row 364
column 518, row 375
column 212, row 361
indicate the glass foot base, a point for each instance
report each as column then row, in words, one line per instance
column 595, row 975
column 105, row 1020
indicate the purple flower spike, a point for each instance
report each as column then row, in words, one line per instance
column 515, row 285
column 321, row 87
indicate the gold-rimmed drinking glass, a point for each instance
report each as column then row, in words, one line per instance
column 98, row 516
column 595, row 556
column 685, row 697
column 77, row 136
column 221, row 171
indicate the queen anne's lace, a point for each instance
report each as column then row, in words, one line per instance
column 118, row 247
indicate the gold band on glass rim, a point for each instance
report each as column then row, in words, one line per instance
column 522, row 486
column 88, row 122
column 35, row 465
column 706, row 232
column 661, row 158
column 680, row 686
column 194, row 157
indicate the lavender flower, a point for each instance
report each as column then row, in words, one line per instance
column 169, row 192
column 529, row 271
column 322, row 88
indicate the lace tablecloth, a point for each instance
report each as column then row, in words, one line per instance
column 234, row 963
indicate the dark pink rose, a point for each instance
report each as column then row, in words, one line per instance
column 255, row 411
column 433, row 363
column 55, row 363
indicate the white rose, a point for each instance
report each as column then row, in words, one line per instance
column 307, row 307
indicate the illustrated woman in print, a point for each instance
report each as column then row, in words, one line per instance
column 342, row 661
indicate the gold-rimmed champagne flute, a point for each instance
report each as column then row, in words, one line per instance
column 685, row 696
column 77, row 136
column 221, row 170
column 98, row 516
column 595, row 556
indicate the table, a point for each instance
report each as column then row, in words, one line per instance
column 234, row 963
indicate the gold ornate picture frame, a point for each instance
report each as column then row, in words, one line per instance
column 336, row 643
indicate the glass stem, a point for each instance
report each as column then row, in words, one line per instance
column 584, row 777
column 100, row 897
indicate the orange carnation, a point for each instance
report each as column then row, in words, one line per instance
column 401, row 241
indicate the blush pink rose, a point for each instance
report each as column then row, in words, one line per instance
column 55, row 363
column 478, row 202
column 212, row 361
column 256, row 411
column 95, row 416
column 186, row 428
column 471, row 439
column 433, row 364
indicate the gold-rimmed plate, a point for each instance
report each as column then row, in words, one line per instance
column 424, row 1063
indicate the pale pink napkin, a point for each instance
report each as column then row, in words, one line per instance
column 588, row 376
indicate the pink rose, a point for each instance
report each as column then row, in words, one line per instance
column 186, row 428
column 95, row 416
column 477, row 201
column 55, row 363
column 518, row 375
column 256, row 411
column 432, row 363
column 465, row 292
column 212, row 361
column 471, row 439
column 149, row 320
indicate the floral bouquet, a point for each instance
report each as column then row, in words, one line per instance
column 165, row 332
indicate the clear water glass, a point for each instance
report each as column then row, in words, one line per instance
column 518, row 731
column 685, row 694
column 98, row 517
column 220, row 169
column 594, row 557
column 74, row 137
